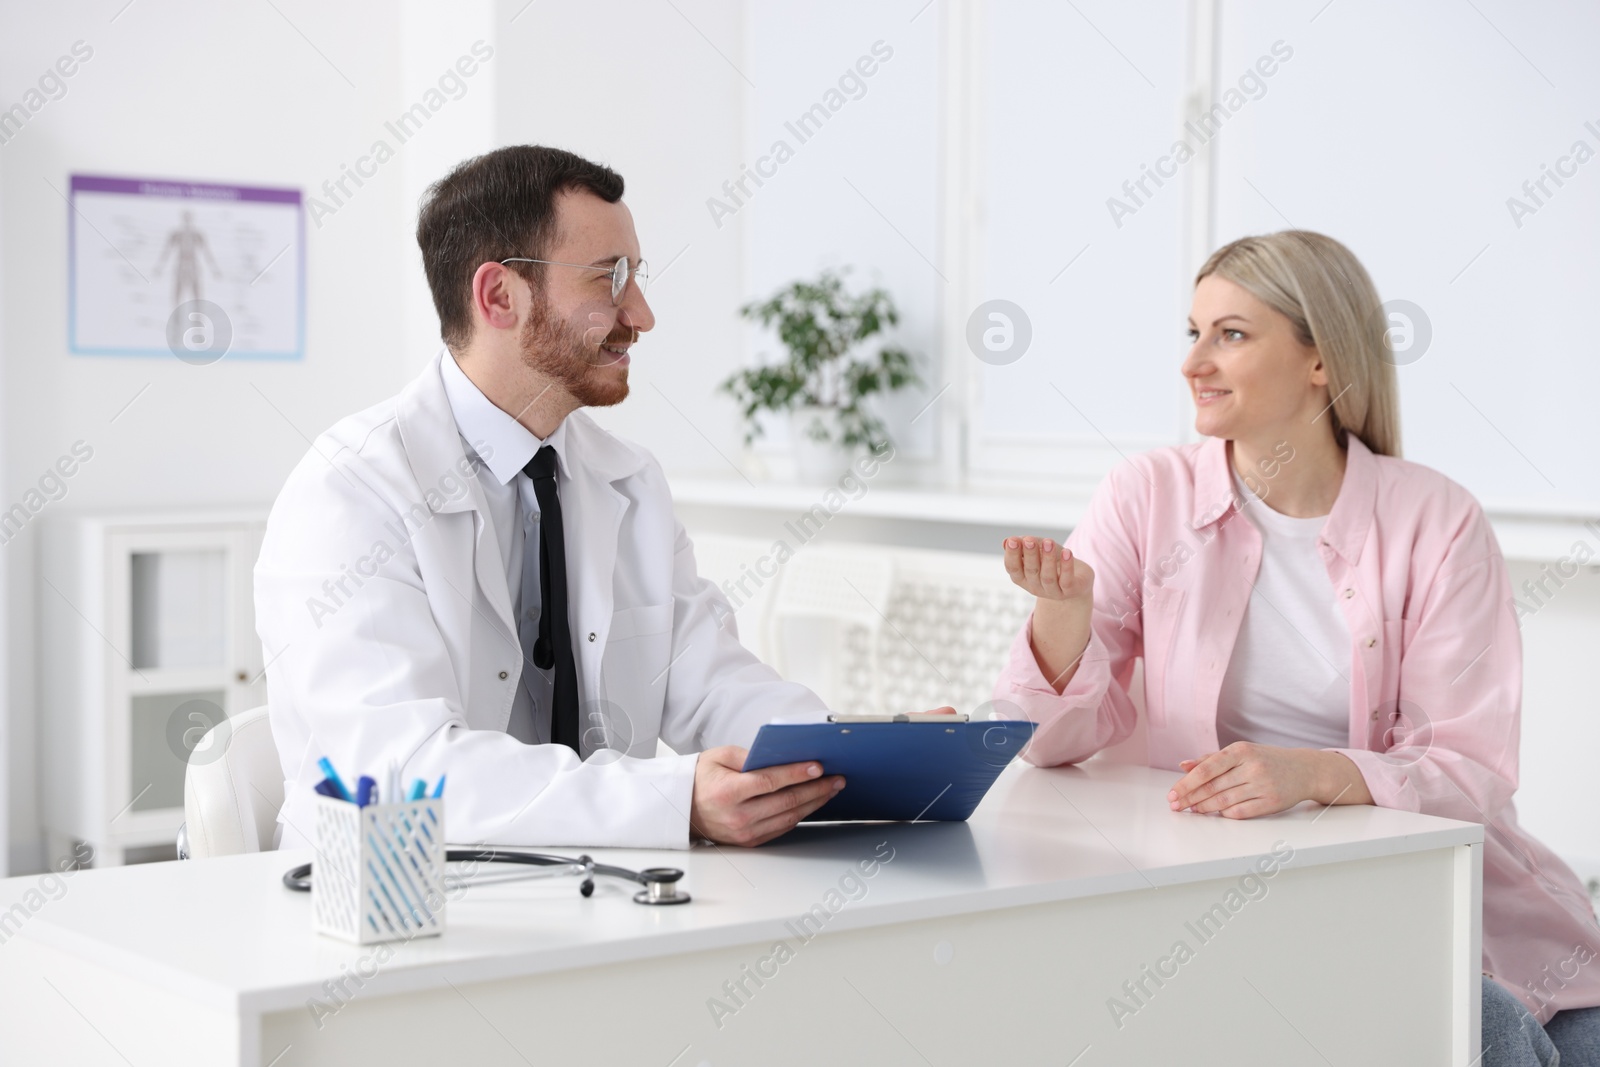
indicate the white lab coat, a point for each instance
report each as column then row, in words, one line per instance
column 386, row 624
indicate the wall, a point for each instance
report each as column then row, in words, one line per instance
column 244, row 94
column 433, row 37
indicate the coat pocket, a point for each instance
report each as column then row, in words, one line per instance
column 640, row 621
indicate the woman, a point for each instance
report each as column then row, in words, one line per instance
column 1318, row 619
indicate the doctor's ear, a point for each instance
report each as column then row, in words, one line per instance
column 497, row 294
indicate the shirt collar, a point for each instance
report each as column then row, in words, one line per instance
column 499, row 441
column 1348, row 523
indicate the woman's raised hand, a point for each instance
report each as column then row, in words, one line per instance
column 1048, row 570
column 1064, row 611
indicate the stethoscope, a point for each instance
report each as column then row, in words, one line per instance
column 660, row 883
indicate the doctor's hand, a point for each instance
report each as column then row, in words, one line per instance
column 1064, row 610
column 737, row 807
column 1245, row 780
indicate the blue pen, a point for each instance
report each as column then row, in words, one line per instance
column 328, row 789
column 333, row 776
column 419, row 789
column 364, row 790
column 438, row 790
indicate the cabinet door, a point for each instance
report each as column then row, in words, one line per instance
column 182, row 656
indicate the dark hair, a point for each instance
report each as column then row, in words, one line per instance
column 493, row 206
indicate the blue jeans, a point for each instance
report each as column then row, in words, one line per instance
column 1513, row 1038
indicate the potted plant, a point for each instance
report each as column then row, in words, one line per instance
column 826, row 379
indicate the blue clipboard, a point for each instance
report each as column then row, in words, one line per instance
column 934, row 771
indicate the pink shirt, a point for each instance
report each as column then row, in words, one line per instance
column 1435, row 668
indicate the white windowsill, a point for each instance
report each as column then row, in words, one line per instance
column 1523, row 534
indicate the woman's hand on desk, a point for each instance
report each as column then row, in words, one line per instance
column 737, row 807
column 1245, row 780
column 1064, row 609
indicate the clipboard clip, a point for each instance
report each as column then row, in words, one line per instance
column 955, row 717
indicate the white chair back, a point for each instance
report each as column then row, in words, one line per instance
column 233, row 788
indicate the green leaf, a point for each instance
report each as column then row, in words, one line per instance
column 821, row 325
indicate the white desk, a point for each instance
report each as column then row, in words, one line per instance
column 999, row 941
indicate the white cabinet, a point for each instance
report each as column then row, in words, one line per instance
column 148, row 640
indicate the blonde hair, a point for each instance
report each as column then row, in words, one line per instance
column 1319, row 286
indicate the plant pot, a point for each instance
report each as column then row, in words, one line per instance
column 814, row 460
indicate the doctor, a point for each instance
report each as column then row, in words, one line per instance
column 473, row 579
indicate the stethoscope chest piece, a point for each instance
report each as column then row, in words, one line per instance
column 660, row 886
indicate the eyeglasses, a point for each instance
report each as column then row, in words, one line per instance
column 619, row 273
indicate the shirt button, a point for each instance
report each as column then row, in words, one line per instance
column 591, row 636
column 1374, row 714
column 1371, row 641
column 504, row 676
column 1348, row 593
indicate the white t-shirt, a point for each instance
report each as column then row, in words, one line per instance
column 1288, row 682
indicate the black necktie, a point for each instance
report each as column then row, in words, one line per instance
column 554, row 644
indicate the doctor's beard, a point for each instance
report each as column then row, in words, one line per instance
column 566, row 355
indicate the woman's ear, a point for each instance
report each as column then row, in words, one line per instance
column 1319, row 370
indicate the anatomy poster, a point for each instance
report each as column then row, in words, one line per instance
column 185, row 269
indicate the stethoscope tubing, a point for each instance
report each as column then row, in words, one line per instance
column 299, row 878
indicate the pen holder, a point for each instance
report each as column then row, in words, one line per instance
column 379, row 870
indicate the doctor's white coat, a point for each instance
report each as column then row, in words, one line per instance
column 386, row 624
